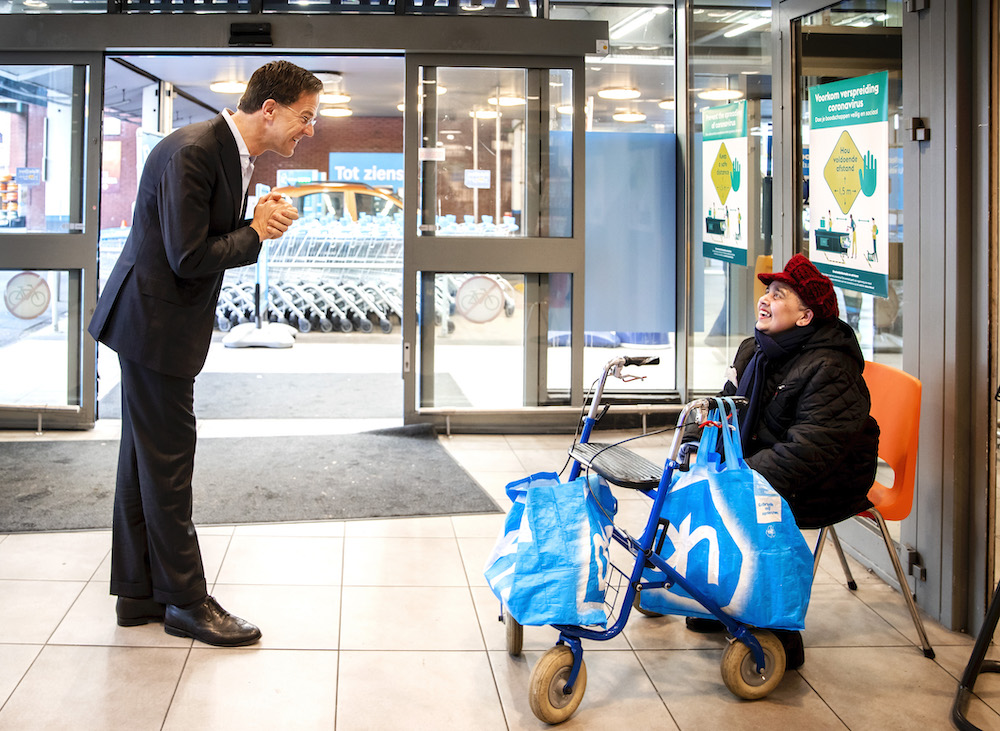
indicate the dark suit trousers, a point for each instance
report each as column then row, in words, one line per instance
column 154, row 550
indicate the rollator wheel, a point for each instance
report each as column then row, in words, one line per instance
column 515, row 634
column 739, row 671
column 545, row 688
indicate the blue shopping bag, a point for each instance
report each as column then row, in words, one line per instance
column 551, row 562
column 733, row 537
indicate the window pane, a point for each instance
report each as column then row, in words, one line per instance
column 631, row 159
column 39, row 134
column 485, row 324
column 496, row 152
column 730, row 98
column 35, row 338
column 851, row 235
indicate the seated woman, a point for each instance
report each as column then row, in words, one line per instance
column 807, row 427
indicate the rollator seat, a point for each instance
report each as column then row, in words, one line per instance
column 618, row 465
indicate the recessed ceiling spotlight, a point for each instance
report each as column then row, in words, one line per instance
column 618, row 92
column 667, row 104
column 336, row 112
column 219, row 87
column 628, row 116
column 506, row 101
column 721, row 95
column 334, row 98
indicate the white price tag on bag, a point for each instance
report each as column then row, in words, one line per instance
column 768, row 509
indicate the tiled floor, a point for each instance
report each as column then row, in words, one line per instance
column 388, row 624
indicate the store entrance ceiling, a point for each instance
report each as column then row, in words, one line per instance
column 375, row 83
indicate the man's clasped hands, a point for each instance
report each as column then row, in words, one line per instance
column 272, row 216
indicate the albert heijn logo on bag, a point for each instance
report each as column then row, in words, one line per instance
column 600, row 563
column 704, row 552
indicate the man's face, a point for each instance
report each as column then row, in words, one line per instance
column 780, row 309
column 293, row 122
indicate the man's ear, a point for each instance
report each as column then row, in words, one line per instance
column 805, row 318
column 269, row 108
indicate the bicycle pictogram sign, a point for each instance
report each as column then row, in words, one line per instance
column 27, row 295
column 479, row 299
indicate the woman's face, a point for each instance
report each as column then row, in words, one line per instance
column 780, row 309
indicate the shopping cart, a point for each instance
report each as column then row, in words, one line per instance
column 753, row 663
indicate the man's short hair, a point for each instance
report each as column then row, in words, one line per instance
column 279, row 80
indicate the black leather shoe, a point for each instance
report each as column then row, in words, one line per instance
column 209, row 623
column 795, row 653
column 133, row 612
column 704, row 625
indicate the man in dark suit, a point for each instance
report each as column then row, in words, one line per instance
column 157, row 312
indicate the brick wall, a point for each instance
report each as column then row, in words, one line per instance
column 117, row 197
column 347, row 134
column 362, row 134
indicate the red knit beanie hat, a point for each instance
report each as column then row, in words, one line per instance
column 814, row 289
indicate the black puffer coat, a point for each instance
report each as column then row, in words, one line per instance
column 815, row 441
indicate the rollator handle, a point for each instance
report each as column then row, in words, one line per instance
column 631, row 360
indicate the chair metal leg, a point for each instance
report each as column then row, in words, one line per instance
column 904, row 587
column 818, row 552
column 851, row 583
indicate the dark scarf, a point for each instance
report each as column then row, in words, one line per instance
column 770, row 351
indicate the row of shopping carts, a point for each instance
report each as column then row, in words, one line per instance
column 321, row 279
column 320, row 305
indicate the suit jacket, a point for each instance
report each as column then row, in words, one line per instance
column 158, row 307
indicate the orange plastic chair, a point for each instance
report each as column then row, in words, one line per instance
column 764, row 263
column 895, row 405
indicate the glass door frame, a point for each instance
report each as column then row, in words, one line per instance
column 73, row 251
column 860, row 536
column 528, row 255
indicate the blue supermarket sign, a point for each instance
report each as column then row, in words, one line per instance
column 28, row 176
column 377, row 169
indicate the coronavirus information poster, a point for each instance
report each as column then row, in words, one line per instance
column 724, row 186
column 849, row 182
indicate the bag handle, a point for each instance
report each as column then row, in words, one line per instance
column 730, row 425
column 709, row 439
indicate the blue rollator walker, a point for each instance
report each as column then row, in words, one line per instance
column 754, row 661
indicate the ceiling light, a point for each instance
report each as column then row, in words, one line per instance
column 667, row 104
column 430, row 82
column 223, row 87
column 506, row 101
column 333, row 87
column 634, row 22
column 618, row 92
column 721, row 95
column 564, row 109
column 35, row 4
column 334, row 98
column 628, row 116
column 484, row 114
column 336, row 112
column 747, row 26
